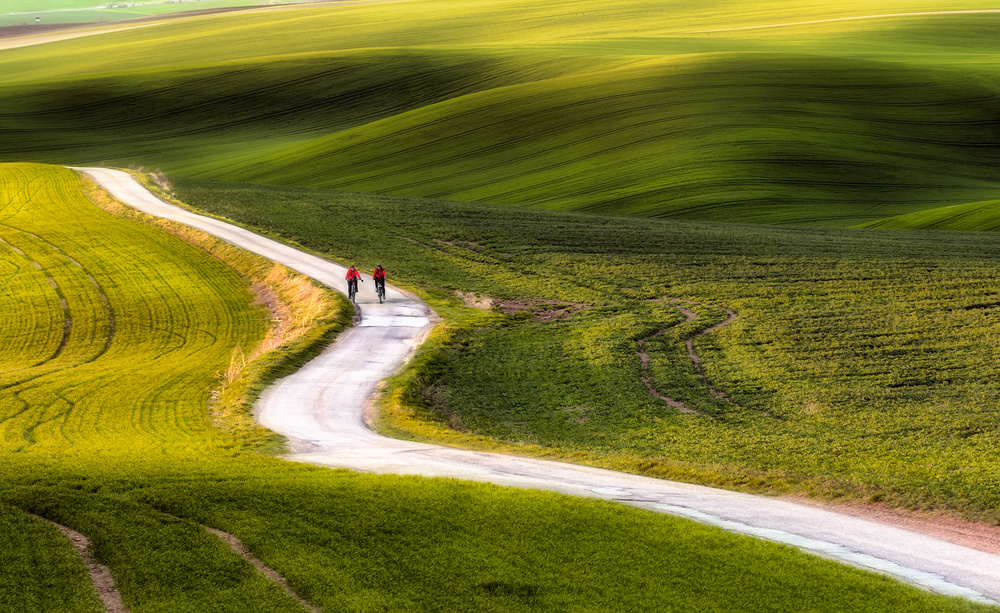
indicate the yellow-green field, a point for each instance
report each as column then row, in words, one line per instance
column 109, row 315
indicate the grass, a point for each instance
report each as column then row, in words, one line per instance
column 801, row 140
column 39, row 571
column 971, row 217
column 106, row 304
column 861, row 363
column 645, row 109
column 351, row 542
column 106, row 430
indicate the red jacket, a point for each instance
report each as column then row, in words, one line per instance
column 352, row 273
column 379, row 273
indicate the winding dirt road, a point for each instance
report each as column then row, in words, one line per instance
column 320, row 409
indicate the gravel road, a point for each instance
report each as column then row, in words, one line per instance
column 320, row 409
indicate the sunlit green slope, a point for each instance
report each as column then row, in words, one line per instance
column 778, row 112
column 113, row 314
column 754, row 137
column 972, row 217
column 183, row 119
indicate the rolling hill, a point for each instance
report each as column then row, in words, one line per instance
column 862, row 364
column 789, row 116
column 115, row 334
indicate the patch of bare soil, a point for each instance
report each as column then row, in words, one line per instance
column 477, row 302
column 974, row 535
column 38, row 28
column 579, row 414
column 100, row 575
column 731, row 317
column 540, row 308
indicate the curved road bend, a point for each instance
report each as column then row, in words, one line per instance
column 320, row 409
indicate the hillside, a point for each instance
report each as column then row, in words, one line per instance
column 861, row 364
column 754, row 138
column 114, row 337
column 777, row 113
column 972, row 217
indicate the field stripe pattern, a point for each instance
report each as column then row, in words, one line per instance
column 84, row 351
column 860, row 112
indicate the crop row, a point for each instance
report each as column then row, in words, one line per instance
column 130, row 320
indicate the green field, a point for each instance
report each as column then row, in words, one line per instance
column 645, row 108
column 862, row 363
column 772, row 158
column 122, row 332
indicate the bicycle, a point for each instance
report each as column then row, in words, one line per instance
column 352, row 289
column 380, row 289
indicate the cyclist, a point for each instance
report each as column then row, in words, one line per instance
column 353, row 276
column 379, row 277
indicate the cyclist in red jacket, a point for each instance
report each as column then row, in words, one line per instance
column 353, row 276
column 379, row 277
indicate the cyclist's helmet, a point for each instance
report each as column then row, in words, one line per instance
column 379, row 264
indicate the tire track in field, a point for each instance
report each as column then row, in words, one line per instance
column 100, row 575
column 97, row 286
column 244, row 552
column 62, row 301
column 322, row 408
column 14, row 196
column 690, row 316
column 62, row 413
column 103, row 580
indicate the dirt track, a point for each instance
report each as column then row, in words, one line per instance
column 851, row 18
column 321, row 410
